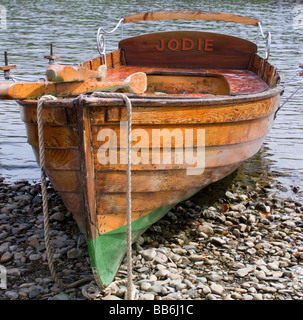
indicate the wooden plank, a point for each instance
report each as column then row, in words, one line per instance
column 177, row 159
column 187, row 115
column 174, row 176
column 95, row 63
column 60, row 159
column 188, row 49
column 74, row 203
column 147, row 181
column 271, row 74
column 237, row 85
column 86, row 183
column 186, row 84
column 260, row 67
column 115, row 203
column 50, row 116
column 109, row 61
column 110, row 222
column 189, row 14
column 263, row 69
column 57, row 116
column 66, row 181
column 116, row 58
column 254, row 63
column 86, row 64
column 58, row 137
column 215, row 134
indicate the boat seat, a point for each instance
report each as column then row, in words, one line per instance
column 239, row 81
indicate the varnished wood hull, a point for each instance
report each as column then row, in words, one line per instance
column 95, row 193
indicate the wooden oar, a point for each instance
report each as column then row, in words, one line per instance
column 60, row 73
column 135, row 83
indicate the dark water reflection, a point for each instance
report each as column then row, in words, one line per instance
column 72, row 26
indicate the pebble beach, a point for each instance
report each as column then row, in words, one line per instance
column 245, row 244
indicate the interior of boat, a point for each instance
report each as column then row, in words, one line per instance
column 186, row 63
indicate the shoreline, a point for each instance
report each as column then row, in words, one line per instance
column 244, row 243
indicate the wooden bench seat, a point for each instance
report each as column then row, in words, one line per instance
column 240, row 81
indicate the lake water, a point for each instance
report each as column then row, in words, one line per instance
column 72, row 25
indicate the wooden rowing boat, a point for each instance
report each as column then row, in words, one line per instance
column 194, row 92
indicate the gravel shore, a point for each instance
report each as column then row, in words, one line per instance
column 245, row 245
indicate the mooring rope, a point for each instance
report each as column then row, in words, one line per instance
column 49, row 254
column 130, row 291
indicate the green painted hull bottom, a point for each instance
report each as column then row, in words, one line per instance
column 107, row 250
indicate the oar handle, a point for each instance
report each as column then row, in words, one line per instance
column 4, row 91
column 59, row 73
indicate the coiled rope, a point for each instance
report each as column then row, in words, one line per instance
column 130, row 291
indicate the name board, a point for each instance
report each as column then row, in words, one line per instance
column 185, row 44
column 187, row 49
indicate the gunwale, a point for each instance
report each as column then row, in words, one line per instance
column 154, row 100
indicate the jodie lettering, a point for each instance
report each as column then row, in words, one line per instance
column 185, row 44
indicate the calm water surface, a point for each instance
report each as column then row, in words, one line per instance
column 72, row 25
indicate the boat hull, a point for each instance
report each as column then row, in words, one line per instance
column 233, row 129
